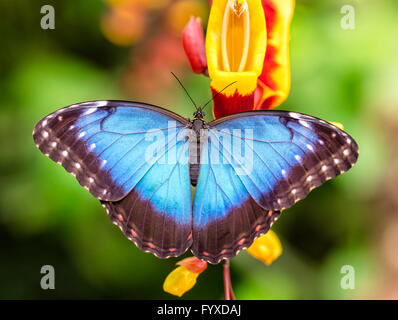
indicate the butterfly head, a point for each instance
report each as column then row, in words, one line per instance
column 199, row 114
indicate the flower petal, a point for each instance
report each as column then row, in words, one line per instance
column 274, row 81
column 179, row 281
column 337, row 124
column 193, row 264
column 193, row 40
column 266, row 248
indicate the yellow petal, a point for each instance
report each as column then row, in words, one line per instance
column 266, row 248
column 337, row 124
column 179, row 281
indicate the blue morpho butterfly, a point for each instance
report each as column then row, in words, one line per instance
column 140, row 160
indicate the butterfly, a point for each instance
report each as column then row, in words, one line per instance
column 141, row 160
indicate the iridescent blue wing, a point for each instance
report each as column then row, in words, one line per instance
column 126, row 155
column 253, row 166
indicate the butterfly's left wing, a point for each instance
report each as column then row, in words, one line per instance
column 127, row 154
column 255, row 164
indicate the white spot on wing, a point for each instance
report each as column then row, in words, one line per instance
column 65, row 153
column 82, row 134
column 304, row 123
column 92, row 146
column 102, row 103
column 54, row 144
column 44, row 123
column 324, row 168
column 310, row 147
column 294, row 115
column 346, row 152
column 77, row 165
column 298, row 158
column 45, row 134
column 90, row 110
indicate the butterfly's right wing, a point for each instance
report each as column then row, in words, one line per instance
column 126, row 154
column 255, row 164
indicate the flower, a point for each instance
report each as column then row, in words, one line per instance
column 183, row 278
column 266, row 248
column 247, row 42
column 236, row 42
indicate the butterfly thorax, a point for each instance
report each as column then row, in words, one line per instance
column 194, row 149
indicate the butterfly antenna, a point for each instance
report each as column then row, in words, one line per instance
column 212, row 99
column 193, row 102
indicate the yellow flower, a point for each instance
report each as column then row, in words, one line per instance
column 183, row 278
column 236, row 42
column 337, row 124
column 266, row 248
column 179, row 281
column 247, row 41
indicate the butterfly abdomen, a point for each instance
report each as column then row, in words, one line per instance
column 194, row 162
column 194, row 151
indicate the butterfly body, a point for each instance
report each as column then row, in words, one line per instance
column 195, row 149
column 140, row 161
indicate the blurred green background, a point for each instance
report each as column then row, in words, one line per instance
column 350, row 76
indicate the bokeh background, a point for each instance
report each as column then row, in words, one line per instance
column 104, row 50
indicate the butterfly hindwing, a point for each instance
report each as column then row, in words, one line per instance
column 226, row 217
column 105, row 144
column 259, row 163
column 156, row 214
